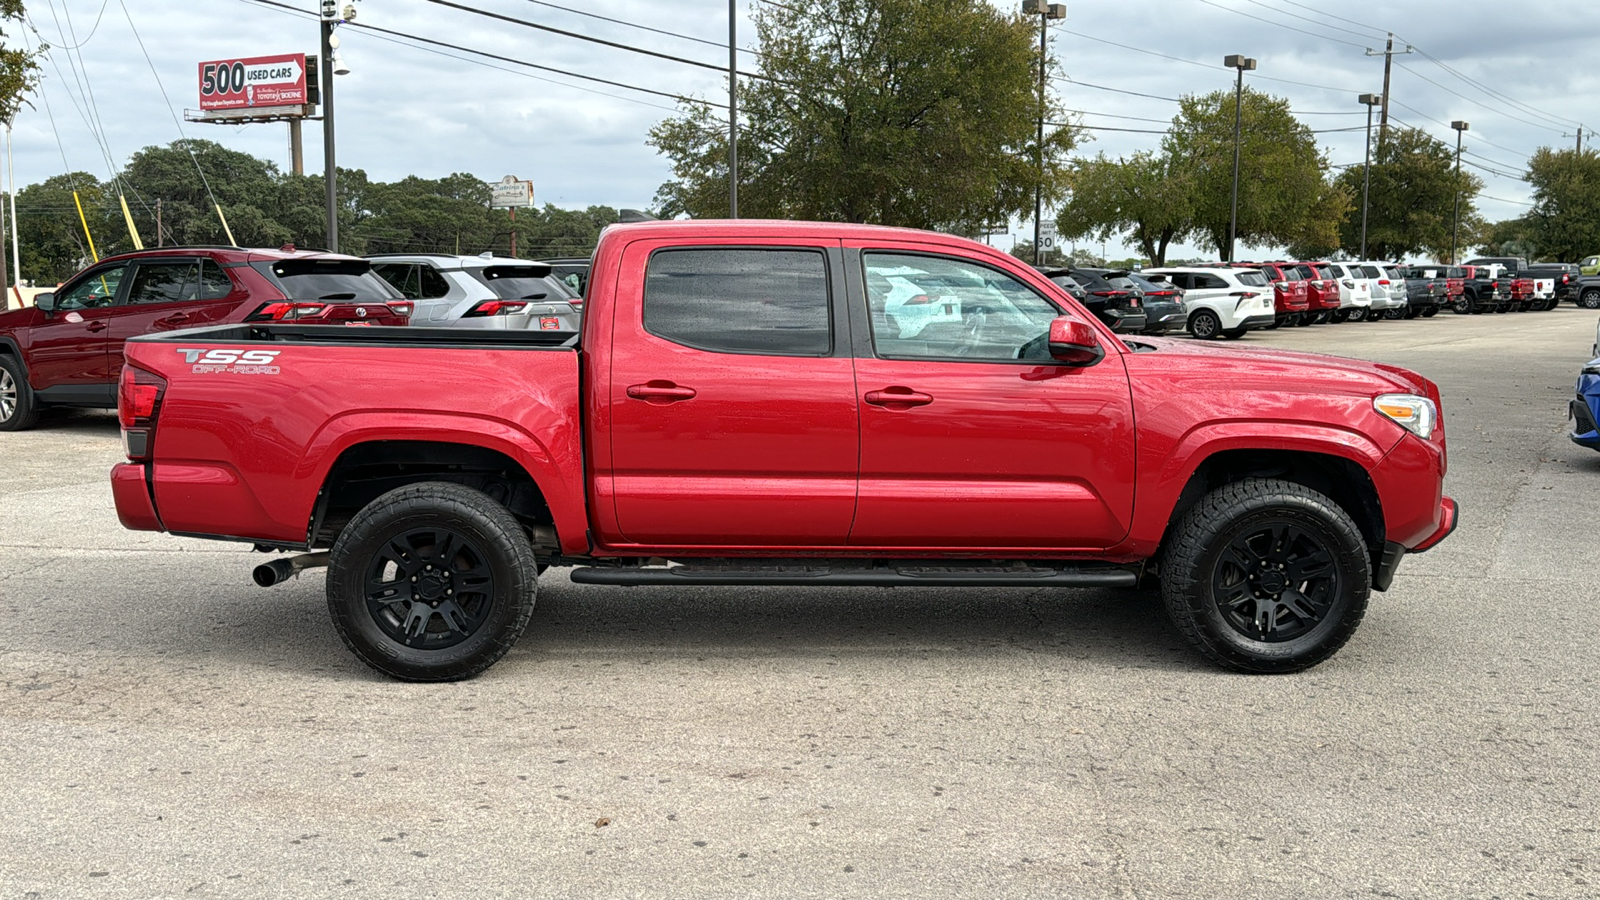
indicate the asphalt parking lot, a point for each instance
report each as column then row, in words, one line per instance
column 168, row 729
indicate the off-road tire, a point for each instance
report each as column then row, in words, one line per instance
column 1339, row 316
column 1430, row 312
column 1300, row 529
column 1233, row 334
column 18, row 412
column 468, row 607
column 1357, row 313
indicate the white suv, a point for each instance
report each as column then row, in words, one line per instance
column 484, row 291
column 1222, row 302
column 1355, row 292
column 1387, row 294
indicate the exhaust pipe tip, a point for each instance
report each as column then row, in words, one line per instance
column 275, row 572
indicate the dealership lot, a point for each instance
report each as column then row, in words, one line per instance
column 170, row 729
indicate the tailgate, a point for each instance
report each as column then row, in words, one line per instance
column 247, row 430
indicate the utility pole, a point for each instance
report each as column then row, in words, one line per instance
column 1580, row 139
column 1243, row 64
column 1455, row 218
column 297, row 153
column 1046, row 12
column 1368, row 100
column 160, row 238
column 733, row 112
column 1388, row 61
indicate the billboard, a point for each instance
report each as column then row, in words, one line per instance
column 256, row 82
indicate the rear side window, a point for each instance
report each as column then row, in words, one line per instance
column 328, row 279
column 1253, row 279
column 1206, row 280
column 1368, row 271
column 165, row 282
column 519, row 282
column 737, row 300
column 214, row 282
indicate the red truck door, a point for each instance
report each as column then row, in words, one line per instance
column 170, row 293
column 732, row 407
column 69, row 348
column 971, row 435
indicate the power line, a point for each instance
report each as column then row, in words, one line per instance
column 1284, row 12
column 1504, row 200
column 1332, row 16
column 594, row 40
column 1491, row 161
column 1424, row 115
column 578, row 12
column 506, row 59
column 1471, row 100
column 1494, row 93
column 1281, row 25
column 1101, row 87
column 62, row 44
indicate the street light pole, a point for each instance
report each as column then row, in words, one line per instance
column 1242, row 64
column 1046, row 12
column 330, row 177
column 1455, row 217
column 733, row 114
column 1370, row 100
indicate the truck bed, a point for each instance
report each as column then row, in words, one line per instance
column 253, row 417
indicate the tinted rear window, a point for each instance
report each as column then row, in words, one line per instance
column 1253, row 279
column 768, row 302
column 521, row 282
column 328, row 279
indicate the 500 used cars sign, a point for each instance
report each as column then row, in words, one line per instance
column 256, row 82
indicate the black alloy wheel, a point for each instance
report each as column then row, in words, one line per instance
column 1463, row 305
column 1357, row 313
column 1590, row 299
column 1265, row 575
column 431, row 582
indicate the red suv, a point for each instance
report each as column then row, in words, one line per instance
column 1290, row 300
column 67, row 349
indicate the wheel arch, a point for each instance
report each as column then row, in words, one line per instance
column 366, row 470
column 1339, row 478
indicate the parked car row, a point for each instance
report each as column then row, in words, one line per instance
column 66, row 350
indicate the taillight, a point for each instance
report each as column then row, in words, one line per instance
column 494, row 308
column 1104, row 293
column 284, row 310
column 1383, row 281
column 918, row 300
column 138, row 403
column 402, row 308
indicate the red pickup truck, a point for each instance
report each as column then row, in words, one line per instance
column 764, row 403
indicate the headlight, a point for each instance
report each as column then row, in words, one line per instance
column 1415, row 414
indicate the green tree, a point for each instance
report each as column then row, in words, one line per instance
column 1565, row 220
column 249, row 190
column 1142, row 196
column 903, row 112
column 49, row 233
column 19, row 69
column 1411, row 201
column 1023, row 250
column 1284, row 194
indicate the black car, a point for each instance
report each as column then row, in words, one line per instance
column 1120, row 308
column 1162, row 302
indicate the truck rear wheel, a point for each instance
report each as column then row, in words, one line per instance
column 431, row 582
column 1264, row 575
column 17, row 411
column 1590, row 299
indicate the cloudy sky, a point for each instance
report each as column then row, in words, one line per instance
column 1515, row 72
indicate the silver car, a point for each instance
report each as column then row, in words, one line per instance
column 484, row 291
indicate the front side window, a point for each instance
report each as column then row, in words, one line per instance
column 925, row 307
column 165, row 282
column 95, row 291
column 738, row 300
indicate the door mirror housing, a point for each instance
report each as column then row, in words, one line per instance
column 1073, row 342
column 45, row 301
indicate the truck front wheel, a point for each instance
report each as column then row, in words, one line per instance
column 431, row 582
column 1264, row 575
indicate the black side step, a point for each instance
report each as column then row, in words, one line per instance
column 909, row 575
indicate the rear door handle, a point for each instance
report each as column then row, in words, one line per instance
column 97, row 325
column 660, row 392
column 898, row 398
column 175, row 319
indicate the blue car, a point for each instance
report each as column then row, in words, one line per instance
column 1585, row 410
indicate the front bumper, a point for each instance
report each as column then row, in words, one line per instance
column 1584, row 410
column 1389, row 561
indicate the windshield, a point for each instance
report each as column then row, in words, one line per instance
column 522, row 283
column 328, row 279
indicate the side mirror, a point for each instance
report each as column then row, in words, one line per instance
column 45, row 301
column 1074, row 343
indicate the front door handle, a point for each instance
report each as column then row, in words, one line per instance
column 898, row 398
column 175, row 319
column 97, row 325
column 660, row 392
